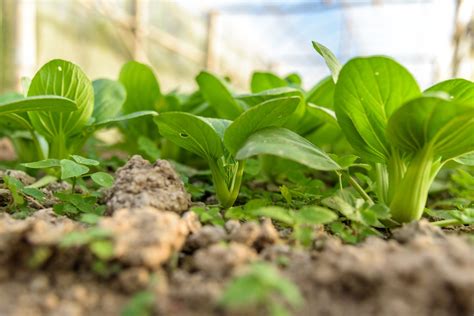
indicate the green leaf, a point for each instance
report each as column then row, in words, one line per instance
column 257, row 98
column 466, row 159
column 143, row 94
column 272, row 113
column 121, row 118
column 368, row 92
column 103, row 249
column 35, row 193
column 62, row 78
column 286, row 144
column 216, row 92
column 460, row 90
column 85, row 161
column 315, row 215
column 199, row 135
column 262, row 81
column 446, row 126
column 109, row 96
column 70, row 169
column 103, row 179
column 276, row 213
column 141, row 304
column 39, row 103
column 322, row 93
column 15, row 186
column 42, row 164
column 329, row 58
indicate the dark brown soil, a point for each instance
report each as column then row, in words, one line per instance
column 419, row 271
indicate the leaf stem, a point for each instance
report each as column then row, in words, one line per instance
column 446, row 222
column 357, row 187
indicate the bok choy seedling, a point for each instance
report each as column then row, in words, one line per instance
column 407, row 136
column 218, row 140
column 61, row 112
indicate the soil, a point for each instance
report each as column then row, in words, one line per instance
column 7, row 152
column 159, row 246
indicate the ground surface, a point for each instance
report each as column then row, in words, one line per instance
column 160, row 247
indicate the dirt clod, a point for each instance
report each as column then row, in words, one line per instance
column 140, row 184
column 205, row 237
column 145, row 236
column 223, row 260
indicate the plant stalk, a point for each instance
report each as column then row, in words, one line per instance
column 411, row 194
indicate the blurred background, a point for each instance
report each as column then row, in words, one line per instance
column 434, row 39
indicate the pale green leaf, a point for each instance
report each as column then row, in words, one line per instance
column 286, row 144
column 42, row 164
column 71, row 169
column 218, row 95
column 85, row 161
column 367, row 93
column 142, row 94
column 38, row 103
column 103, row 179
column 262, row 81
column 446, row 126
column 109, row 96
column 62, row 78
column 202, row 136
column 330, row 59
column 272, row 113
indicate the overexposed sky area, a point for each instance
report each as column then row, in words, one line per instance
column 418, row 33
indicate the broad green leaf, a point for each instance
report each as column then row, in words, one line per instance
column 367, row 93
column 42, row 164
column 447, row 126
column 85, row 161
column 62, row 78
column 315, row 215
column 272, row 113
column 218, row 95
column 322, row 93
column 286, row 144
column 143, row 94
column 315, row 118
column 202, row 136
column 262, row 81
column 257, row 98
column 121, row 118
column 329, row 58
column 71, row 169
column 109, row 96
column 460, row 90
column 40, row 103
column 103, row 179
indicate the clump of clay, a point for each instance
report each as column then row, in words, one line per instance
column 416, row 229
column 140, row 184
column 222, row 259
column 255, row 235
column 206, row 236
column 145, row 236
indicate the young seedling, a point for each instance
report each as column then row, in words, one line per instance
column 302, row 221
column 61, row 112
column 262, row 287
column 74, row 170
column 405, row 135
column 218, row 140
